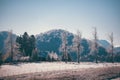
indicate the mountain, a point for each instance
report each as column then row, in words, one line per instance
column 104, row 43
column 117, row 50
column 3, row 36
column 51, row 41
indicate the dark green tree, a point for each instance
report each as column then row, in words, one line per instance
column 19, row 40
column 26, row 44
column 31, row 44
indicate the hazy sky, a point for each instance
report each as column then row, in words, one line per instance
column 36, row 16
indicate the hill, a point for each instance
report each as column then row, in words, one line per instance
column 3, row 37
column 104, row 43
column 51, row 41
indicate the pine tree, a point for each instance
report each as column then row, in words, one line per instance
column 26, row 44
column 20, row 43
column 31, row 44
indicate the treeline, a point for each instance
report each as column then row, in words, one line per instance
column 24, row 49
column 26, row 46
column 96, row 52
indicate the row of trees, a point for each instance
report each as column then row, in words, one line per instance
column 78, row 47
column 26, row 45
column 95, row 48
column 8, row 48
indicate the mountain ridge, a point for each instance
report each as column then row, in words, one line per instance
column 50, row 41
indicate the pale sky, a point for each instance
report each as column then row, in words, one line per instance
column 36, row 16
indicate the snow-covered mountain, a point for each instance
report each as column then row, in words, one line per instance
column 117, row 50
column 51, row 40
column 104, row 43
column 54, row 37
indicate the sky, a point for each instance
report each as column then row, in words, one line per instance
column 38, row 16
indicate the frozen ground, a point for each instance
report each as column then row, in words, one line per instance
column 25, row 68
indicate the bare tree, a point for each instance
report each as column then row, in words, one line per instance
column 95, row 44
column 77, row 44
column 112, row 46
column 64, row 47
column 9, row 45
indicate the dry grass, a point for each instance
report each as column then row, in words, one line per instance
column 60, row 71
column 105, row 73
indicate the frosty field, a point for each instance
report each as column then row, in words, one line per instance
column 60, row 69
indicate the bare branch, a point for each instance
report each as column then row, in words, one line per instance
column 112, row 46
column 77, row 44
column 95, row 47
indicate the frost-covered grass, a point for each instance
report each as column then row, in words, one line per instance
column 24, row 68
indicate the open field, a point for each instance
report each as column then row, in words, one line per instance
column 60, row 71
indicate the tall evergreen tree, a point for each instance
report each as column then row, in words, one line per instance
column 20, row 43
column 31, row 44
column 26, row 44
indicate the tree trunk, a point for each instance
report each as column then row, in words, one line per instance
column 78, row 54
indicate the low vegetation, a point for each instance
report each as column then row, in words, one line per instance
column 60, row 71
